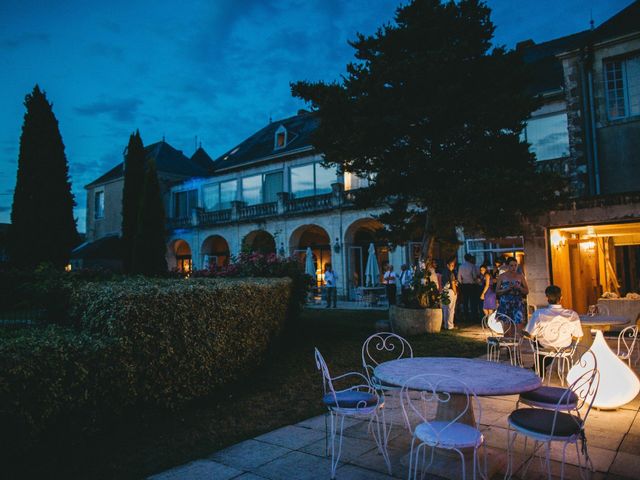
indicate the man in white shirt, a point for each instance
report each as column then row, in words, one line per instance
column 554, row 326
column 406, row 277
column 331, row 282
column 468, row 275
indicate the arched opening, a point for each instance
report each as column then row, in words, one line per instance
column 357, row 240
column 215, row 252
column 259, row 241
column 180, row 256
column 316, row 238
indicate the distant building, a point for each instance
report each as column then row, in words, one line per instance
column 104, row 201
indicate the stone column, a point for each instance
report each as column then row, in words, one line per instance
column 337, row 189
column 283, row 198
column 236, row 205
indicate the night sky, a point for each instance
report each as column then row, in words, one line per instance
column 215, row 69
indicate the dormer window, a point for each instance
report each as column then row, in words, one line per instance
column 280, row 138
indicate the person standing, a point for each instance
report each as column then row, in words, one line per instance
column 488, row 295
column 331, row 283
column 389, row 280
column 511, row 289
column 406, row 277
column 467, row 279
column 451, row 287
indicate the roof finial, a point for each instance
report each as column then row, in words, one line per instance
column 591, row 23
column 270, row 118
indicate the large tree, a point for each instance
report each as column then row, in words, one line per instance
column 433, row 112
column 134, row 173
column 43, row 228
column 149, row 242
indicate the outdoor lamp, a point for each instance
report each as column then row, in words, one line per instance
column 336, row 246
column 618, row 384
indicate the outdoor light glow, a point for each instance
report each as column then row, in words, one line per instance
column 557, row 239
column 67, row 267
column 590, row 245
column 618, row 384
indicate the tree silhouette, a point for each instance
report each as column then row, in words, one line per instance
column 432, row 112
column 43, row 228
column 149, row 243
column 134, row 173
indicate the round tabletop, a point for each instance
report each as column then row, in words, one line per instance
column 480, row 376
column 594, row 320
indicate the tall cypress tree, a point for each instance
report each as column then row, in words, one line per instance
column 43, row 228
column 149, row 245
column 134, row 166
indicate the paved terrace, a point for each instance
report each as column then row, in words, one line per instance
column 297, row 452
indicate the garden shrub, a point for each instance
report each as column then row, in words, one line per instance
column 184, row 337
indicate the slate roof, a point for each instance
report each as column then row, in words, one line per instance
column 168, row 160
column 260, row 146
column 104, row 248
column 624, row 22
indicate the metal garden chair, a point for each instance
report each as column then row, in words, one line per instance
column 502, row 334
column 433, row 432
column 557, row 424
column 555, row 342
column 359, row 399
column 627, row 340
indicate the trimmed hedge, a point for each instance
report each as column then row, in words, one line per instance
column 156, row 342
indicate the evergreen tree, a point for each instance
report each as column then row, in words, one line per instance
column 149, row 244
column 432, row 112
column 134, row 173
column 43, row 228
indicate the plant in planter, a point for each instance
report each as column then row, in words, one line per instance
column 422, row 313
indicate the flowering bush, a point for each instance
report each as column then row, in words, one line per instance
column 424, row 293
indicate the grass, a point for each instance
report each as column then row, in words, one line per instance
column 284, row 390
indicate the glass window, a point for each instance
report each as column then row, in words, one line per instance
column 183, row 202
column 622, row 81
column 252, row 190
column 324, row 178
column 353, row 181
column 228, row 192
column 211, row 197
column 302, row 181
column 271, row 186
column 548, row 136
column 98, row 206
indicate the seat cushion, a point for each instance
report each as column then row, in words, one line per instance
column 448, row 435
column 551, row 396
column 539, row 420
column 350, row 399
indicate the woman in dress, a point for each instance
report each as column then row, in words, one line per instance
column 511, row 288
column 488, row 295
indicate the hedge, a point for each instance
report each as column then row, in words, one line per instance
column 152, row 342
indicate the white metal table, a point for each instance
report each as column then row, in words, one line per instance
column 599, row 322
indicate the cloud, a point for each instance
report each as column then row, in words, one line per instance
column 24, row 39
column 105, row 50
column 122, row 110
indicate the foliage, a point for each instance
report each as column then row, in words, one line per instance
column 148, row 342
column 42, row 224
column 424, row 293
column 269, row 266
column 134, row 173
column 149, row 243
column 432, row 112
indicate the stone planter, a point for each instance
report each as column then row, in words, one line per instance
column 412, row 321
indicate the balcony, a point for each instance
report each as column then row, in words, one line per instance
column 239, row 212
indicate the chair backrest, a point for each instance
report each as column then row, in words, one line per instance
column 627, row 341
column 382, row 347
column 436, row 390
column 327, row 383
column 556, row 334
column 496, row 324
column 585, row 379
column 508, row 326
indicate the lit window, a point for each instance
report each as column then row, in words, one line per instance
column 622, row 84
column 281, row 138
column 98, row 205
column 548, row 136
column 353, row 181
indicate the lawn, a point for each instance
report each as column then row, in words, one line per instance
column 285, row 390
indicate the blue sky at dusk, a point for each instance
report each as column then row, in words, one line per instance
column 217, row 69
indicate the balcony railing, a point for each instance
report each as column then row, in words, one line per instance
column 212, row 218
column 260, row 210
column 179, row 222
column 308, row 204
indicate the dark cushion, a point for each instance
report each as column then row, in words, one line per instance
column 541, row 421
column 550, row 395
column 350, row 399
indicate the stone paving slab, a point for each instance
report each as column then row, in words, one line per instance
column 199, row 470
column 292, row 437
column 249, row 454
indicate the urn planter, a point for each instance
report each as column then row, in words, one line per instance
column 415, row 321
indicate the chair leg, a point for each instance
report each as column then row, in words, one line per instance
column 382, row 438
column 464, row 473
column 335, row 457
column 511, row 437
column 548, row 460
